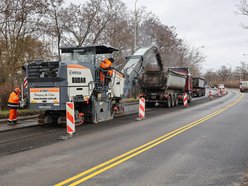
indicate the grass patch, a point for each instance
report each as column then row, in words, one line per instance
column 130, row 100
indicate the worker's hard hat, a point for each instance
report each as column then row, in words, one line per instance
column 111, row 60
column 17, row 90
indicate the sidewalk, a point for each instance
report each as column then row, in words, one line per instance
column 26, row 121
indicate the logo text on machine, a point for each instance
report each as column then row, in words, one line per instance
column 78, row 80
column 74, row 72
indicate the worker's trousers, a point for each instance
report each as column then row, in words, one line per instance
column 13, row 115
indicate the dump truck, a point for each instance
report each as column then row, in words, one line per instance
column 199, row 85
column 157, row 86
column 243, row 86
column 161, row 87
column 188, row 88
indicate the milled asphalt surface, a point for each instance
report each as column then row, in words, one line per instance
column 32, row 136
column 29, row 121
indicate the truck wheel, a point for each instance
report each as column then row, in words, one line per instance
column 150, row 104
column 41, row 119
column 190, row 98
column 79, row 119
column 172, row 101
column 62, row 121
column 168, row 102
column 175, row 101
column 45, row 118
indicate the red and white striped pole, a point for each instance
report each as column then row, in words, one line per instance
column 210, row 95
column 70, row 118
column 141, row 108
column 218, row 92
column 185, row 100
column 25, row 82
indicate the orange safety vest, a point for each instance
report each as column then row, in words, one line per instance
column 102, row 76
column 110, row 73
column 13, row 101
column 104, row 66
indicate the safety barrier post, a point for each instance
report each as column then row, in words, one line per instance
column 70, row 118
column 210, row 95
column 185, row 100
column 141, row 109
column 219, row 92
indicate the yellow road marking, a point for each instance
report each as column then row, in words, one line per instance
column 75, row 180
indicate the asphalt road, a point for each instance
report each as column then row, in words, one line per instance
column 29, row 135
column 210, row 150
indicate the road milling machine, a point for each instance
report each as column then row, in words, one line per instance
column 75, row 78
column 79, row 78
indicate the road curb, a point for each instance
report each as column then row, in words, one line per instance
column 22, row 118
column 16, row 127
column 36, row 115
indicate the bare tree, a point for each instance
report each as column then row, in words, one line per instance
column 242, row 70
column 54, row 21
column 86, row 23
column 211, row 77
column 20, row 23
column 224, row 73
column 119, row 32
column 243, row 9
column 153, row 32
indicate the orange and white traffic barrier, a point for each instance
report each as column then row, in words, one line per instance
column 185, row 100
column 142, row 108
column 70, row 118
column 210, row 95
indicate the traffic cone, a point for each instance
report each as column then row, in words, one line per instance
column 185, row 100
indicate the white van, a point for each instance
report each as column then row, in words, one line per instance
column 221, row 86
column 243, row 86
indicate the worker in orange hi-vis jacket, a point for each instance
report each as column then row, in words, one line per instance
column 105, row 70
column 13, row 104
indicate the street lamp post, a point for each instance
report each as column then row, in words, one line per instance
column 135, row 26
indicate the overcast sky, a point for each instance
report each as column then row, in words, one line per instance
column 209, row 23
